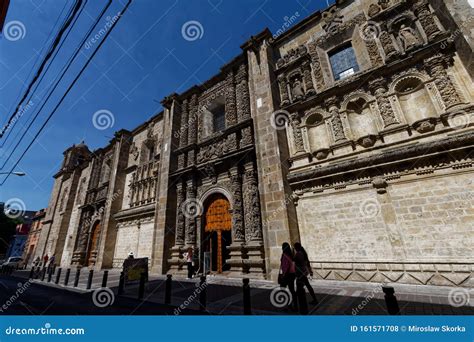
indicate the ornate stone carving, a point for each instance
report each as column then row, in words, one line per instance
column 190, row 236
column 253, row 224
column 134, row 151
column 373, row 10
column 297, row 90
column 436, row 66
column 238, row 233
column 192, row 129
column 243, row 97
column 308, row 80
column 180, row 220
column 335, row 119
column 297, row 136
column 318, row 73
column 332, row 20
column 183, row 132
column 230, row 101
column 285, row 99
column 379, row 90
column 422, row 11
column 292, row 55
column 247, row 137
column 217, row 149
column 374, row 54
column 388, row 46
column 408, row 37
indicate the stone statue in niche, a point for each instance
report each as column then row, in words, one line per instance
column 408, row 37
column 297, row 90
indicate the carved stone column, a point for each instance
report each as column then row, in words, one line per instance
column 180, row 220
column 253, row 224
column 297, row 135
column 243, row 96
column 285, row 99
column 422, row 11
column 436, row 66
column 190, row 236
column 230, row 101
column 192, row 121
column 183, row 132
column 238, row 233
column 388, row 47
column 336, row 122
column 379, row 90
column 308, row 79
column 315, row 61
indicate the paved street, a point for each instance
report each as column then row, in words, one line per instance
column 224, row 296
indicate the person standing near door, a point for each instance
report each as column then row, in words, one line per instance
column 189, row 261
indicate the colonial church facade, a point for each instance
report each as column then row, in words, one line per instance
column 351, row 132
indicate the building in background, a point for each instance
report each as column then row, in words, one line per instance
column 351, row 132
column 18, row 241
column 33, row 236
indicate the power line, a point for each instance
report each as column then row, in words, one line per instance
column 31, row 72
column 69, row 88
column 63, row 72
column 40, row 69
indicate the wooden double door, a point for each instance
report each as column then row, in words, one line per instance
column 217, row 232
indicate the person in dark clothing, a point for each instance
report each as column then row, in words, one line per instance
column 286, row 278
column 189, row 261
column 303, row 269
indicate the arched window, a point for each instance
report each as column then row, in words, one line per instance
column 343, row 62
column 414, row 99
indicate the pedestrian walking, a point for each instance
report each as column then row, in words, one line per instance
column 303, row 269
column 286, row 277
column 189, row 261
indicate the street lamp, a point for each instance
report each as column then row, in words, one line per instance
column 16, row 173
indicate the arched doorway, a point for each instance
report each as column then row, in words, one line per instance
column 93, row 244
column 217, row 232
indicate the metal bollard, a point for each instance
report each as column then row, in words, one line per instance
column 104, row 278
column 391, row 300
column 246, row 290
column 76, row 280
column 168, row 289
column 32, row 272
column 89, row 280
column 66, row 278
column 203, row 294
column 141, row 286
column 121, row 283
column 58, row 275
column 301, row 295
column 43, row 273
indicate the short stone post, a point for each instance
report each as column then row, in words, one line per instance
column 121, row 283
column 43, row 273
column 89, row 279
column 76, row 280
column 104, row 278
column 246, row 290
column 66, row 279
column 168, row 289
column 32, row 272
column 50, row 274
column 391, row 300
column 58, row 275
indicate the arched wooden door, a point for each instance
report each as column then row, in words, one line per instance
column 93, row 244
column 217, row 229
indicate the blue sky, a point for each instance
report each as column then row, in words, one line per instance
column 144, row 59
